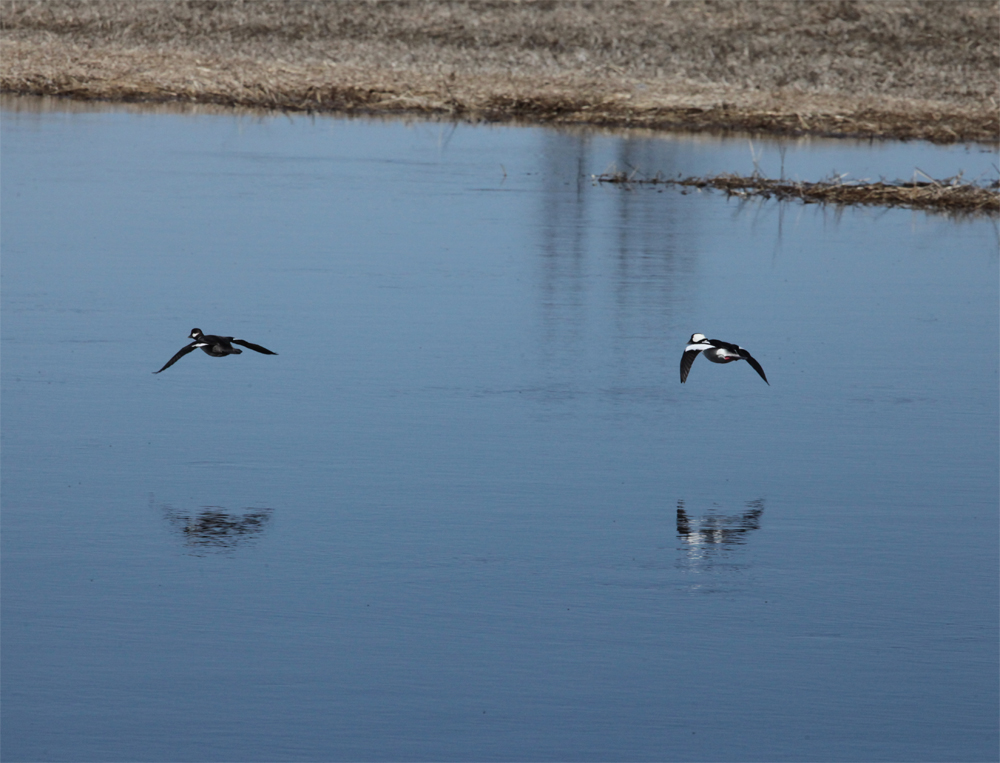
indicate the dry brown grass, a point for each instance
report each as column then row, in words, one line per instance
column 951, row 196
column 888, row 68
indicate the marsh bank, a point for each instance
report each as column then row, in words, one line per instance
column 905, row 69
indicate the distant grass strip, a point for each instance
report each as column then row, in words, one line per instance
column 951, row 196
column 904, row 69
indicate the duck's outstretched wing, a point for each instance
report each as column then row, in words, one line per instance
column 183, row 351
column 254, row 347
column 686, row 360
column 756, row 366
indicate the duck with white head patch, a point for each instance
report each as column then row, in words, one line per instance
column 216, row 346
column 716, row 351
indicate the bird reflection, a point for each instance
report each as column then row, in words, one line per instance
column 709, row 539
column 215, row 529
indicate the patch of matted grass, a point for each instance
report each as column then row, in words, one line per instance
column 950, row 196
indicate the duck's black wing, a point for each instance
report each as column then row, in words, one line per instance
column 725, row 345
column 756, row 366
column 254, row 347
column 686, row 360
column 183, row 351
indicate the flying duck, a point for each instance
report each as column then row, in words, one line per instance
column 717, row 352
column 216, row 346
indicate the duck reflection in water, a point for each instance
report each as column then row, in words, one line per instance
column 214, row 529
column 710, row 536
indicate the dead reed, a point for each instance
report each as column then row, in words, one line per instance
column 876, row 68
column 950, row 196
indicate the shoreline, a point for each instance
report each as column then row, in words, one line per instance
column 946, row 196
column 882, row 70
column 878, row 70
column 137, row 76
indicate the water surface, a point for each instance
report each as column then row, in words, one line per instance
column 468, row 512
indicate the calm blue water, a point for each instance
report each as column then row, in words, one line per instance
column 468, row 512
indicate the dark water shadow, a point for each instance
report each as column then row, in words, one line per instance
column 215, row 530
column 711, row 542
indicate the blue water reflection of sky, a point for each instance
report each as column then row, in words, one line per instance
column 469, row 512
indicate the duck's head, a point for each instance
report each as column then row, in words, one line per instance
column 195, row 334
column 696, row 339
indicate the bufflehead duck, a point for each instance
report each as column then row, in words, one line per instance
column 216, row 346
column 717, row 352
